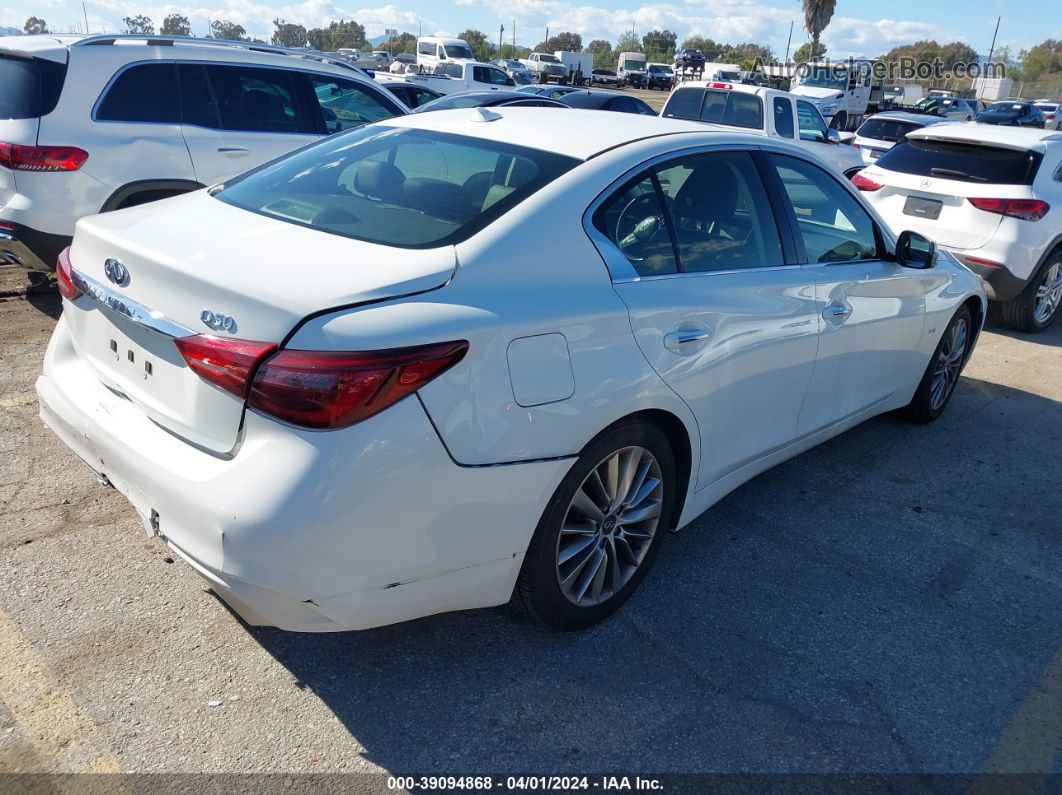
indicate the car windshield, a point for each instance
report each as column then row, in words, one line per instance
column 29, row 87
column 826, row 77
column 459, row 51
column 666, row 70
column 462, row 100
column 1047, row 108
column 1004, row 107
column 731, row 108
column 880, row 129
column 968, row 162
column 632, row 66
column 400, row 187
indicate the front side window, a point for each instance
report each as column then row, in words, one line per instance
column 254, row 99
column 812, row 127
column 783, row 117
column 830, row 221
column 408, row 188
column 142, row 93
column 345, row 104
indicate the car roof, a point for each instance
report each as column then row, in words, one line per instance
column 578, row 133
column 920, row 119
column 1030, row 138
column 590, row 99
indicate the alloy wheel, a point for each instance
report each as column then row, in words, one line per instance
column 609, row 526
column 1048, row 295
column 949, row 364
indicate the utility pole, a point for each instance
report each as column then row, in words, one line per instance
column 501, row 30
column 85, row 11
column 547, row 37
column 514, row 38
column 789, row 43
column 991, row 51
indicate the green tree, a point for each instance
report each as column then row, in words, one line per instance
column 176, row 25
column 480, row 44
column 403, row 42
column 570, row 42
column 139, row 25
column 288, row 34
column 1043, row 59
column 342, row 34
column 659, row 43
column 223, row 29
column 628, row 42
column 804, row 53
column 599, row 45
column 35, row 26
column 817, row 15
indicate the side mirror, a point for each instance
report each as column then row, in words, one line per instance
column 915, row 251
column 833, row 136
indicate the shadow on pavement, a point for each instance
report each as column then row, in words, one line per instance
column 884, row 602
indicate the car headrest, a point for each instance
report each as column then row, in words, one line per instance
column 709, row 194
column 441, row 199
column 379, row 180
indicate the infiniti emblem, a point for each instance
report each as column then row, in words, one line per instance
column 116, row 272
column 217, row 321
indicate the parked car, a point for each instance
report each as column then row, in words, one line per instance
column 550, row 90
column 948, row 107
column 1013, row 114
column 470, row 76
column 630, row 66
column 659, row 75
column 990, row 196
column 489, row 99
column 1052, row 114
column 762, row 111
column 92, row 124
column 516, row 70
column 413, row 95
column 335, row 446
column 689, row 58
column 545, row 67
column 607, row 100
column 882, row 131
column 605, row 77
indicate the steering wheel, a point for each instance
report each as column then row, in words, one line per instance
column 635, row 229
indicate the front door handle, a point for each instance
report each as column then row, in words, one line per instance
column 233, row 151
column 836, row 313
column 685, row 338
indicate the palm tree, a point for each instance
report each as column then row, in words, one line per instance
column 817, row 15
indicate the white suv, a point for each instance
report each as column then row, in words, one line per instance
column 992, row 196
column 91, row 124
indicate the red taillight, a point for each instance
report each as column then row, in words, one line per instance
column 332, row 389
column 1025, row 209
column 64, row 276
column 863, row 183
column 226, row 363
column 42, row 158
column 978, row 261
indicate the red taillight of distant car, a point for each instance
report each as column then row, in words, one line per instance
column 41, row 158
column 861, row 182
column 1024, row 209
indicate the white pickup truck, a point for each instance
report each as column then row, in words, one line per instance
column 456, row 76
column 763, row 111
column 545, row 67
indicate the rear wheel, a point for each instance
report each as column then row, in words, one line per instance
column 942, row 374
column 601, row 531
column 1038, row 304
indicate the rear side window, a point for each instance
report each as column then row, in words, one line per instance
column 783, row 117
column 29, row 87
column 248, row 99
column 407, row 188
column 142, row 93
column 969, row 162
column 885, row 129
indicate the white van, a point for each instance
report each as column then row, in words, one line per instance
column 727, row 72
column 630, row 66
column 434, row 50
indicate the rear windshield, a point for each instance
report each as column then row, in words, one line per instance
column 29, row 88
column 886, row 129
column 719, row 107
column 969, row 162
column 399, row 187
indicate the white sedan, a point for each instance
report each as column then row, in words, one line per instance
column 429, row 366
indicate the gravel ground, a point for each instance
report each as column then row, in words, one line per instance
column 889, row 601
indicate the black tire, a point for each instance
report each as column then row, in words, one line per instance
column 1019, row 313
column 538, row 592
column 921, row 409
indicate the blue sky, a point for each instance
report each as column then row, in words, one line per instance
column 859, row 27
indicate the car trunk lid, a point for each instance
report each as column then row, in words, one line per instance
column 187, row 267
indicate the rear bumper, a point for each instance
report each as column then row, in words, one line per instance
column 1000, row 284
column 29, row 248
column 311, row 531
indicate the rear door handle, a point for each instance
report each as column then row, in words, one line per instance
column 233, row 151
column 685, row 338
column 836, row 313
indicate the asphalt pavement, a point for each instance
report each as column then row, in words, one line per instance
column 890, row 601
